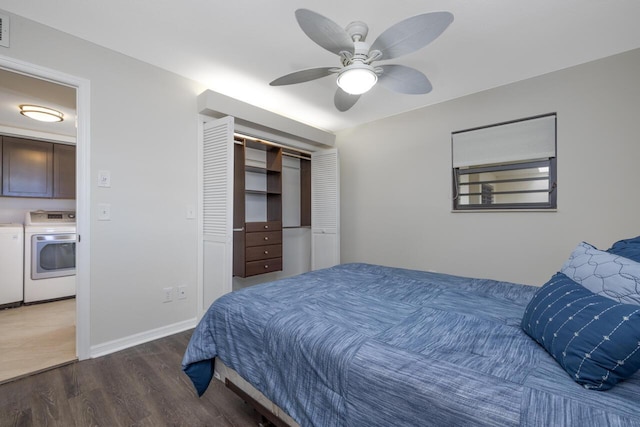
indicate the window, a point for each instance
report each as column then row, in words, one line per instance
column 506, row 166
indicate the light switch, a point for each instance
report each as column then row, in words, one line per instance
column 104, row 178
column 104, row 212
column 191, row 212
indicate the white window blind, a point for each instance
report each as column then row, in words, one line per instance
column 511, row 142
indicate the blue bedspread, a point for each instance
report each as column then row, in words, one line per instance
column 366, row 345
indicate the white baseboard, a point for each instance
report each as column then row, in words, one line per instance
column 141, row 338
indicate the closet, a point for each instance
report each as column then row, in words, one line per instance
column 270, row 209
column 272, row 193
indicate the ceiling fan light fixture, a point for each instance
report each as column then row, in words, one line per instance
column 42, row 114
column 357, row 79
column 358, row 74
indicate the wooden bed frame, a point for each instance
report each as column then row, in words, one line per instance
column 265, row 407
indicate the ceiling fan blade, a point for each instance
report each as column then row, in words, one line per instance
column 324, row 31
column 303, row 76
column 344, row 100
column 411, row 34
column 403, row 79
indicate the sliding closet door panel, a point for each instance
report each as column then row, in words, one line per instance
column 217, row 209
column 325, row 209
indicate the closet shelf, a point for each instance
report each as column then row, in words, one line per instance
column 259, row 169
column 261, row 192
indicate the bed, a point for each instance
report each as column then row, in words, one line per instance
column 369, row 345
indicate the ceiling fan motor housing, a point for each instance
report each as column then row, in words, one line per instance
column 357, row 30
column 360, row 54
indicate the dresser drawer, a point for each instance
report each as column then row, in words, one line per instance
column 263, row 252
column 263, row 226
column 264, row 266
column 263, row 238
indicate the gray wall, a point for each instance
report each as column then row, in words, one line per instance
column 144, row 130
column 396, row 178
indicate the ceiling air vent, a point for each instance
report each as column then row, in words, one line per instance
column 4, row 30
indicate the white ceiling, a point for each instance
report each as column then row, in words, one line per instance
column 237, row 47
column 17, row 89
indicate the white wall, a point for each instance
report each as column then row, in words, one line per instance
column 14, row 209
column 396, row 178
column 144, row 130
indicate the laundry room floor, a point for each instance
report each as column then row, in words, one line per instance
column 37, row 337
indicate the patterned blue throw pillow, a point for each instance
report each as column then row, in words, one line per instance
column 603, row 273
column 628, row 248
column 595, row 339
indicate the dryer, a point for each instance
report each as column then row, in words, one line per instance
column 49, row 255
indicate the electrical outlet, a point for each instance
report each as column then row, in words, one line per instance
column 182, row 292
column 168, row 294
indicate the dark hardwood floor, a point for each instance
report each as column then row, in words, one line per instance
column 140, row 386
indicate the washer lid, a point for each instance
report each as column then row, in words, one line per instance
column 8, row 228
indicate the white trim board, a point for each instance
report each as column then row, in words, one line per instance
column 141, row 338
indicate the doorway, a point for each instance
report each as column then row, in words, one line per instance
column 77, row 309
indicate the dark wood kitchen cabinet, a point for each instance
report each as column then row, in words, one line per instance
column 37, row 169
column 27, row 168
column 64, row 171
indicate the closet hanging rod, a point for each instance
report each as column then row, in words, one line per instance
column 275, row 144
column 297, row 156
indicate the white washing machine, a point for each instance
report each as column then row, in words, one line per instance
column 11, row 264
column 49, row 255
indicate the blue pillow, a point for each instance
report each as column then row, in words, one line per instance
column 595, row 339
column 628, row 248
column 605, row 274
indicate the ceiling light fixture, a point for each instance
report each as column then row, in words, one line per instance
column 357, row 78
column 42, row 114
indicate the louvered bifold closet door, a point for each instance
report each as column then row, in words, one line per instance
column 325, row 209
column 217, row 208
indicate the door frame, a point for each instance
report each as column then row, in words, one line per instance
column 83, row 190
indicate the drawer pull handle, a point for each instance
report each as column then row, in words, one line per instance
column 266, row 266
column 266, row 252
column 266, row 238
column 266, row 226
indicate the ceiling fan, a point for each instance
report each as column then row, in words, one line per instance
column 357, row 73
